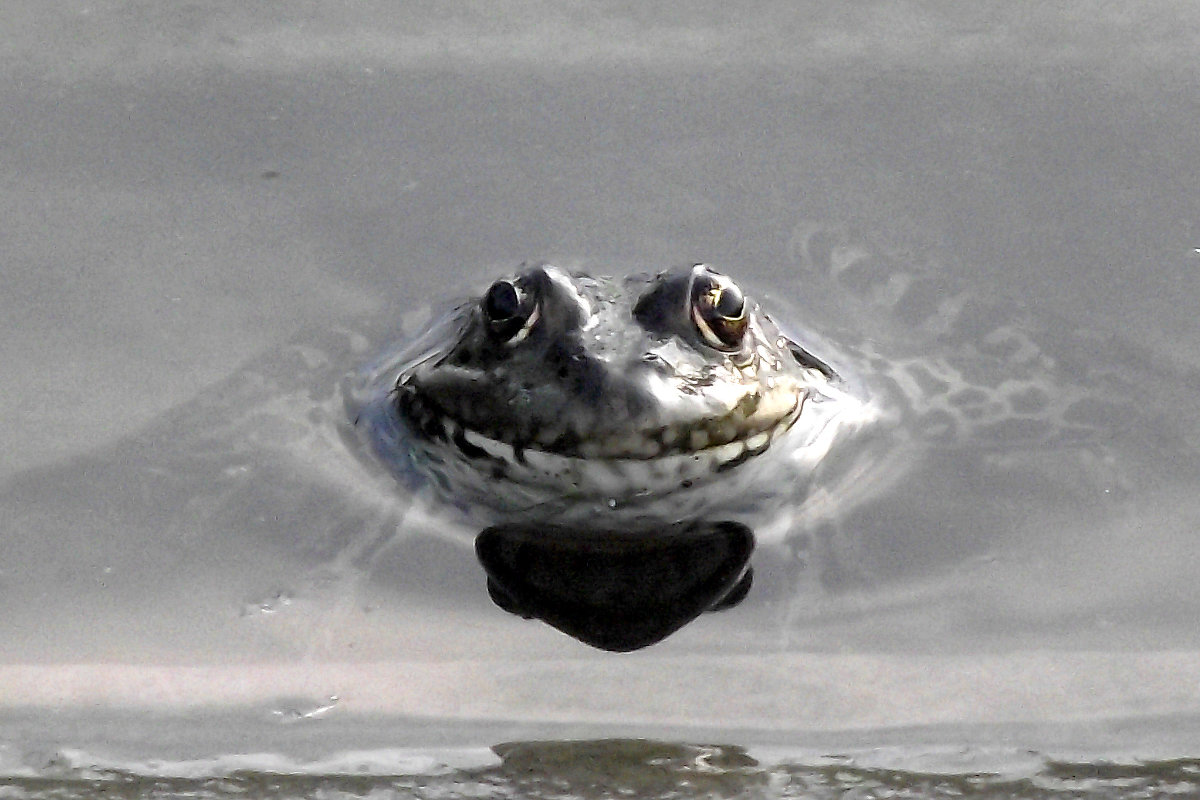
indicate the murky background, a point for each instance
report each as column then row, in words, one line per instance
column 183, row 571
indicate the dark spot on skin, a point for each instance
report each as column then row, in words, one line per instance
column 638, row 402
column 423, row 419
column 558, row 359
column 567, row 442
column 469, row 450
column 656, row 436
column 434, row 429
column 657, row 310
column 580, row 375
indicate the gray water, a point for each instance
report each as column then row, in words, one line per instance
column 196, row 597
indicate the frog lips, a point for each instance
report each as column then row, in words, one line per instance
column 727, row 440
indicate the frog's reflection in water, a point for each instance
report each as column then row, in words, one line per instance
column 614, row 590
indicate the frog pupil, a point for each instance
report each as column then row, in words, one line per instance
column 730, row 303
column 501, row 303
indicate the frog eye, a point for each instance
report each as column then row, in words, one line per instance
column 718, row 309
column 510, row 311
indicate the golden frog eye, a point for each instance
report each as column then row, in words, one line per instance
column 510, row 311
column 718, row 309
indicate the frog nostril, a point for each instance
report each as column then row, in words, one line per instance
column 650, row 364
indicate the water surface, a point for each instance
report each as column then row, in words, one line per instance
column 178, row 540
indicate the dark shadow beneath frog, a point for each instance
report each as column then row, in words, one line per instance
column 613, row 590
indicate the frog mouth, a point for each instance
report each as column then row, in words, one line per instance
column 724, row 441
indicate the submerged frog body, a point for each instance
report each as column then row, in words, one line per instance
column 610, row 402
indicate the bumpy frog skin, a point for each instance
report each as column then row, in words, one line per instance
column 598, row 402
